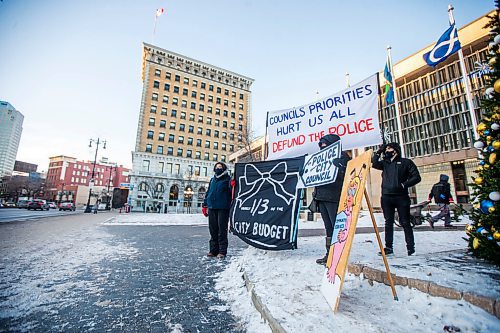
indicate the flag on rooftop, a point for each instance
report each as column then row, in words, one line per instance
column 159, row 12
column 447, row 44
column 389, row 91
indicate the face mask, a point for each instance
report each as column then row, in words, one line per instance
column 219, row 172
column 388, row 155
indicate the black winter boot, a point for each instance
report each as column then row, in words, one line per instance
column 322, row 261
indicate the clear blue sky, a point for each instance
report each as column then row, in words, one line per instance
column 73, row 68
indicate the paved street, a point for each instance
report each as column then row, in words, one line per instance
column 16, row 214
column 73, row 274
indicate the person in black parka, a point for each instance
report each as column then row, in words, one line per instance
column 216, row 206
column 442, row 196
column 328, row 196
column 398, row 174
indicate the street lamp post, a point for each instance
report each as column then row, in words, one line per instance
column 109, row 181
column 189, row 195
column 97, row 142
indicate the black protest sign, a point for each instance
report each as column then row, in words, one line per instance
column 264, row 212
column 319, row 168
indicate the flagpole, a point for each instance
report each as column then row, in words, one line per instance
column 396, row 103
column 347, row 80
column 154, row 30
column 466, row 81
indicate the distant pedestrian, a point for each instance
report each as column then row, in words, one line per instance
column 442, row 197
column 94, row 208
column 216, row 206
column 398, row 174
column 328, row 196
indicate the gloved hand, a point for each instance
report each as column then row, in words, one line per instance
column 233, row 183
column 451, row 200
column 338, row 163
column 380, row 149
column 204, row 210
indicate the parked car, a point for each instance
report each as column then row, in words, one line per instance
column 67, row 206
column 38, row 204
column 22, row 204
column 9, row 204
column 52, row 205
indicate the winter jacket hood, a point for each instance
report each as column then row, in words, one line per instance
column 329, row 139
column 396, row 147
column 444, row 178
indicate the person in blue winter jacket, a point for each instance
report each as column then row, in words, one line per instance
column 442, row 196
column 216, row 206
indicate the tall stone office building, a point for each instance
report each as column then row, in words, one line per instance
column 192, row 114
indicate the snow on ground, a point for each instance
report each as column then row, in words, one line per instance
column 288, row 282
column 157, row 219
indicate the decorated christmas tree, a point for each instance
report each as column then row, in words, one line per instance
column 484, row 231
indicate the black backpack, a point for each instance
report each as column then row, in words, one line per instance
column 440, row 192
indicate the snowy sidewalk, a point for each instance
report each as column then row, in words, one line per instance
column 286, row 286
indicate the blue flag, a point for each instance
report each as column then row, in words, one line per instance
column 389, row 91
column 447, row 44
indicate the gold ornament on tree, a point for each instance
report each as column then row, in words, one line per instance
column 493, row 157
column 497, row 86
column 492, row 61
column 478, row 180
column 481, row 127
column 491, row 209
column 475, row 243
column 496, row 145
column 496, row 235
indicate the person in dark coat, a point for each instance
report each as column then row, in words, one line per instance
column 398, row 174
column 328, row 196
column 216, row 206
column 442, row 196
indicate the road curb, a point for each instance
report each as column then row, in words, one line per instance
column 261, row 307
column 488, row 304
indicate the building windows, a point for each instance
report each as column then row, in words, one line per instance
column 173, row 113
column 169, row 168
column 165, row 99
column 210, row 98
column 170, row 151
column 207, row 156
column 193, row 94
column 151, row 121
column 232, row 125
column 178, row 78
column 151, row 134
column 189, row 153
column 166, row 87
column 182, row 127
column 226, row 92
column 180, row 139
column 184, row 92
column 184, row 103
column 233, row 115
column 217, row 100
column 224, row 135
column 191, row 116
column 158, row 72
column 161, row 137
column 200, row 130
column 191, row 129
column 216, row 145
column 231, row 136
column 152, row 109
column 209, row 121
column 183, row 115
column 207, row 144
column 168, row 75
column 145, row 165
column 172, row 125
column 223, row 146
column 219, row 90
column 176, row 89
column 207, row 132
column 241, row 96
column 215, row 157
column 225, row 113
column 240, row 127
column 205, row 171
column 193, row 106
column 231, row 148
column 226, row 102
column 202, row 96
column 233, row 93
column 198, row 142
column 190, row 141
column 200, row 119
column 154, row 97
column 175, row 101
column 156, row 84
column 211, row 87
column 233, row 105
column 216, row 133
column 163, row 123
column 240, row 117
column 163, row 111
column 203, row 84
column 217, row 111
column 223, row 158
column 198, row 155
column 171, row 138
column 149, row 148
column 241, row 106
column 224, row 124
column 209, row 109
column 159, row 150
column 186, row 80
column 202, row 107
column 217, row 122
column 195, row 83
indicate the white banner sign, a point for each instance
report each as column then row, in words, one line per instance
column 352, row 114
column 319, row 169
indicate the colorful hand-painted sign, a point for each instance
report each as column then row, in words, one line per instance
column 319, row 168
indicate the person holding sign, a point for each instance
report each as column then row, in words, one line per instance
column 216, row 206
column 328, row 196
column 398, row 174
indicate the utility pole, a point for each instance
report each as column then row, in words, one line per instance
column 91, row 183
